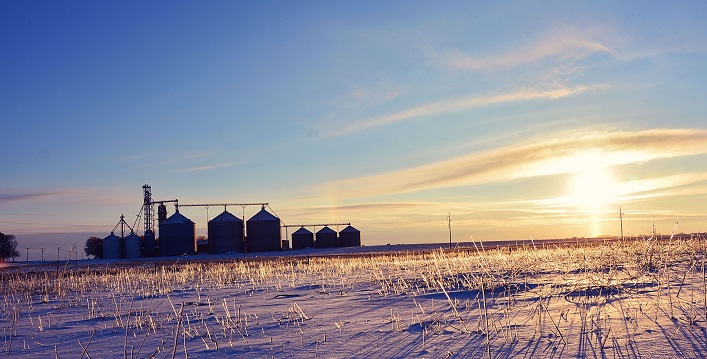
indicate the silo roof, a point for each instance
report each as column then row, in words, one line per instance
column 131, row 235
column 302, row 230
column 226, row 216
column 326, row 230
column 350, row 229
column 263, row 215
column 177, row 218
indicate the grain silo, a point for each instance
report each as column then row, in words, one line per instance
column 132, row 247
column 350, row 237
column 150, row 244
column 302, row 238
column 225, row 234
column 263, row 232
column 112, row 247
column 326, row 238
column 177, row 236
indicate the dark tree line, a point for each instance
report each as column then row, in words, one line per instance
column 8, row 247
column 94, row 247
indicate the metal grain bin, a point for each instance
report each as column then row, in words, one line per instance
column 150, row 244
column 177, row 236
column 326, row 238
column 225, row 234
column 302, row 238
column 132, row 247
column 350, row 237
column 263, row 232
column 112, row 247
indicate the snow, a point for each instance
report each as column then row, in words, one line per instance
column 635, row 299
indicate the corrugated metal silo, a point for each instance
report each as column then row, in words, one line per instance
column 161, row 213
column 263, row 232
column 302, row 238
column 326, row 238
column 350, row 237
column 112, row 247
column 132, row 246
column 177, row 236
column 225, row 234
column 150, row 244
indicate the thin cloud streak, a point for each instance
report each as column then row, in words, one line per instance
column 457, row 105
column 628, row 191
column 10, row 197
column 566, row 44
column 563, row 153
column 207, row 167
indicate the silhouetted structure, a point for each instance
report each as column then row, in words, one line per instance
column 112, row 247
column 302, row 238
column 225, row 234
column 177, row 236
column 263, row 232
column 132, row 247
column 326, row 238
column 150, row 244
column 350, row 237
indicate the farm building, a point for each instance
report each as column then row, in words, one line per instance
column 225, row 234
column 263, row 232
column 177, row 236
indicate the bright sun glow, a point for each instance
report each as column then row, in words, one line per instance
column 593, row 188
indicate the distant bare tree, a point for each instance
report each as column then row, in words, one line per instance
column 94, row 247
column 8, row 247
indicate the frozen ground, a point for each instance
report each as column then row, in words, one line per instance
column 636, row 299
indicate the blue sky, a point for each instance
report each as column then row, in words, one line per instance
column 519, row 118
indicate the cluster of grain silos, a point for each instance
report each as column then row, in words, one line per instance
column 262, row 233
column 115, row 247
column 227, row 233
column 326, row 238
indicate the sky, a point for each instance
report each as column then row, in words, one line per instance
column 505, row 120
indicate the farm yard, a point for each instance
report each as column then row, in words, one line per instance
column 640, row 298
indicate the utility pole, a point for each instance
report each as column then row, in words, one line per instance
column 449, row 224
column 621, row 218
column 27, row 258
column 42, row 254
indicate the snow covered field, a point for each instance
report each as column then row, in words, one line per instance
column 633, row 299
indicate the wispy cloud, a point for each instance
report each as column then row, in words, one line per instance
column 562, row 43
column 685, row 184
column 463, row 103
column 10, row 197
column 207, row 167
column 564, row 152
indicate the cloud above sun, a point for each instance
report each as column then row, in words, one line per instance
column 564, row 152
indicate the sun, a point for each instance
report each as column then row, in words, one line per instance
column 592, row 189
